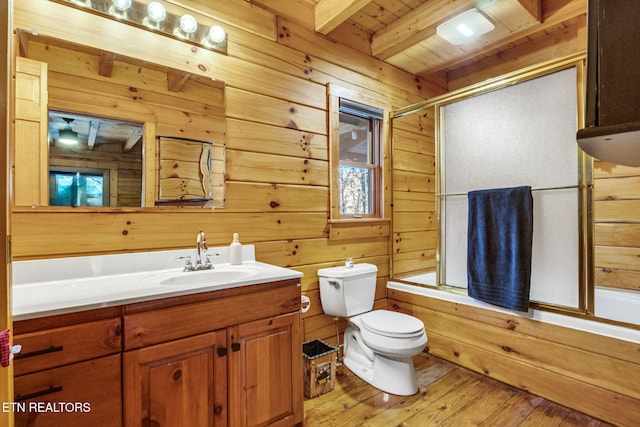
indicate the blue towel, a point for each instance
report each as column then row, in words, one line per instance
column 499, row 246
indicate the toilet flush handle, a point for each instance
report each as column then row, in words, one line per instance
column 335, row 284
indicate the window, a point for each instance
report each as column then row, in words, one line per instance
column 360, row 170
column 78, row 187
column 359, row 165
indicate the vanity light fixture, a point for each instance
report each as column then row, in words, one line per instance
column 82, row 3
column 215, row 35
column 465, row 27
column 156, row 13
column 177, row 22
column 119, row 8
column 188, row 26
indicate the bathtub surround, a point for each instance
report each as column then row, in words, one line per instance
column 589, row 366
column 500, row 234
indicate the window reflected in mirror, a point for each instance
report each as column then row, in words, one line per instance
column 78, row 187
column 94, row 161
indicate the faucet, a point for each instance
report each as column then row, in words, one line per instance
column 201, row 245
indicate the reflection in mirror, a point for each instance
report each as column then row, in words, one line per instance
column 106, row 90
column 94, row 161
column 191, row 173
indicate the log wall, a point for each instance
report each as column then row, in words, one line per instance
column 591, row 373
column 276, row 74
column 617, row 226
column 277, row 171
column 414, row 237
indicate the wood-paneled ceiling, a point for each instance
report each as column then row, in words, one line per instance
column 403, row 32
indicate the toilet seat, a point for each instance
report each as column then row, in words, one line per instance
column 392, row 324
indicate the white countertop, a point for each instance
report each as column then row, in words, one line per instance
column 64, row 285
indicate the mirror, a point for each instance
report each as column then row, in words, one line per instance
column 117, row 107
column 94, row 161
column 190, row 172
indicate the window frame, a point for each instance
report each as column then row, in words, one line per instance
column 375, row 148
column 365, row 226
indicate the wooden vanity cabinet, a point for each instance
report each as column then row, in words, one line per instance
column 178, row 383
column 265, row 367
column 226, row 358
column 68, row 372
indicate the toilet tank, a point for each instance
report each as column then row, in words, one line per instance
column 347, row 291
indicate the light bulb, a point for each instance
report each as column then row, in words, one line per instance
column 216, row 34
column 188, row 24
column 121, row 5
column 156, row 12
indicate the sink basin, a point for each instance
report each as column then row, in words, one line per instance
column 214, row 276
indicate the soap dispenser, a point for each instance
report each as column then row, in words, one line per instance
column 235, row 251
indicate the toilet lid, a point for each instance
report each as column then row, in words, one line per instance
column 392, row 324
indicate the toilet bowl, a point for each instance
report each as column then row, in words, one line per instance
column 382, row 356
column 378, row 344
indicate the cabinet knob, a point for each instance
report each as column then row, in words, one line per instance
column 217, row 409
column 235, row 346
column 222, row 351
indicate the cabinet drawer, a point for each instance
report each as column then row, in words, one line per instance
column 61, row 346
column 82, row 394
column 153, row 327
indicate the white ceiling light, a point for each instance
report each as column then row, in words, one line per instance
column 465, row 27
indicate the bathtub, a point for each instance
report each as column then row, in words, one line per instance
column 610, row 305
column 618, row 304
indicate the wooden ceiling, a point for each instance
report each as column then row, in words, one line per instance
column 403, row 32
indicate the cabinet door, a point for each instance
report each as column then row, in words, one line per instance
column 179, row 383
column 30, row 149
column 618, row 54
column 265, row 378
column 80, row 394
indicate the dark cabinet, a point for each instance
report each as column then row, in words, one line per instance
column 612, row 117
column 613, row 89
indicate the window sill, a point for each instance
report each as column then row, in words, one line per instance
column 361, row 228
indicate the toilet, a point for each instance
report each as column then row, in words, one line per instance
column 378, row 344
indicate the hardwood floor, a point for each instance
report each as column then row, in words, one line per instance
column 449, row 395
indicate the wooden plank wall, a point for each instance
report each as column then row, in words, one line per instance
column 617, row 226
column 592, row 373
column 414, row 209
column 6, row 374
column 276, row 73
